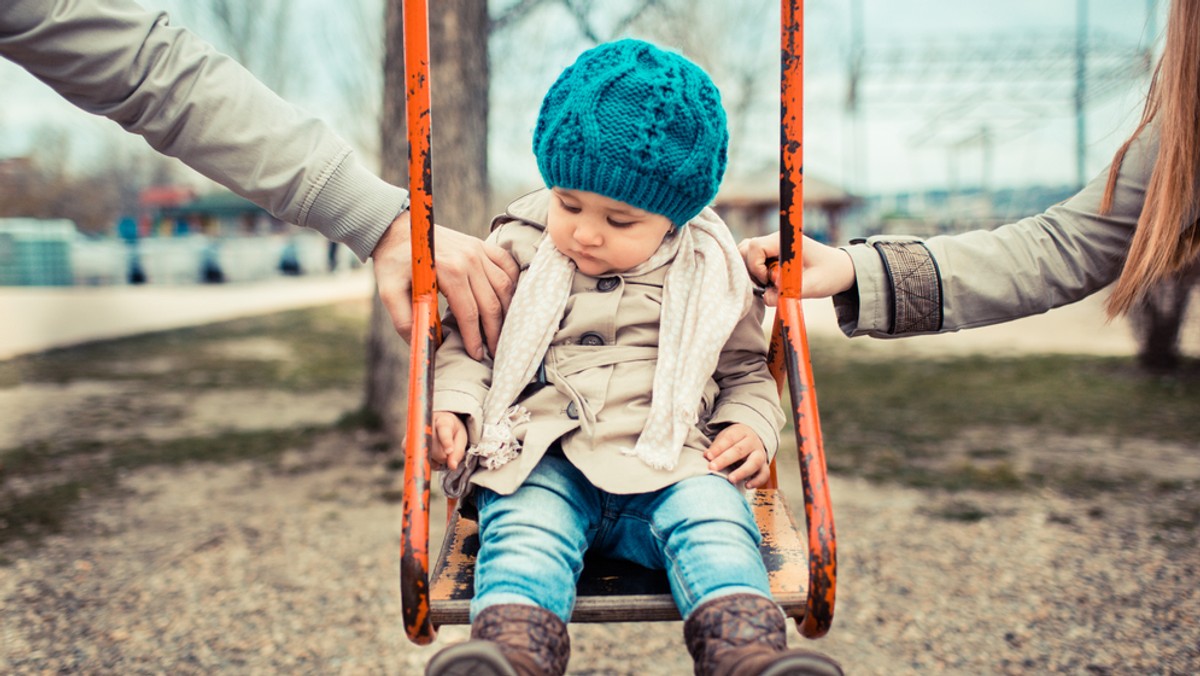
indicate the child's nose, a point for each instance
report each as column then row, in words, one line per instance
column 587, row 234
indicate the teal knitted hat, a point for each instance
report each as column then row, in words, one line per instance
column 636, row 124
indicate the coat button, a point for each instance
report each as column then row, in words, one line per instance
column 607, row 284
column 572, row 411
column 591, row 339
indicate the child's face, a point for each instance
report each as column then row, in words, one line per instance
column 603, row 235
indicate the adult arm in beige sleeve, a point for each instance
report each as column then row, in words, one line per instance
column 189, row 101
column 948, row 283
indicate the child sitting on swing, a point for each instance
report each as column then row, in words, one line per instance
column 629, row 398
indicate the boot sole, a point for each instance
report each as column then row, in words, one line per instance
column 473, row 658
column 804, row 664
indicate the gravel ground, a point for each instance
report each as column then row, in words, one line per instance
column 293, row 569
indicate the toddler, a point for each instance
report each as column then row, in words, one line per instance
column 629, row 400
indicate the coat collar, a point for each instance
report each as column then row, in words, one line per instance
column 531, row 208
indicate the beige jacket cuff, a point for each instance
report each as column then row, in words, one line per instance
column 465, row 399
column 865, row 309
column 354, row 206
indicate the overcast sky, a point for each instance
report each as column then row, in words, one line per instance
column 891, row 147
column 1027, row 149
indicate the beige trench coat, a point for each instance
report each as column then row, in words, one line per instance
column 599, row 373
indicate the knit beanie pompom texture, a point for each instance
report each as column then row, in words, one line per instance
column 636, row 124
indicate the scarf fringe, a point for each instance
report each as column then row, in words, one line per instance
column 499, row 445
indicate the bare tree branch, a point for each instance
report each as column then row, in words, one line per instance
column 634, row 15
column 514, row 14
column 581, row 20
column 256, row 34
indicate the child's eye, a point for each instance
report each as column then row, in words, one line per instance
column 568, row 208
column 620, row 224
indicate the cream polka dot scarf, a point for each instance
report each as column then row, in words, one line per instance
column 706, row 293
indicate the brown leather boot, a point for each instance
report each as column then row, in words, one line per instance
column 746, row 635
column 508, row 640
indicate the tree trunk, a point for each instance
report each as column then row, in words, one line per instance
column 459, row 92
column 387, row 353
column 458, row 32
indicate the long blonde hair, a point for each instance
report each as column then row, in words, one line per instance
column 1167, row 238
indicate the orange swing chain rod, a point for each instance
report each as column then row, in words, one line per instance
column 794, row 342
column 414, row 532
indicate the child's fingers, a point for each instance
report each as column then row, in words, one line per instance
column 449, row 437
column 760, row 479
column 457, row 448
column 753, row 470
column 726, row 439
column 726, row 451
column 445, row 441
column 771, row 296
column 443, row 433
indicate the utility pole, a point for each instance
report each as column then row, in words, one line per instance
column 1081, row 35
column 853, row 165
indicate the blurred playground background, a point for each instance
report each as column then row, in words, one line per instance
column 200, row 405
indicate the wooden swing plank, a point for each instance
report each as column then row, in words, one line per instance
column 617, row 591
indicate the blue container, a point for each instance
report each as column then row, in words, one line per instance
column 36, row 252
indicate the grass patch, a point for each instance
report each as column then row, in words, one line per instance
column 889, row 421
column 915, row 401
column 960, row 510
column 39, row 454
column 63, row 474
column 40, row 512
column 260, row 445
column 311, row 349
column 325, row 348
column 900, row 421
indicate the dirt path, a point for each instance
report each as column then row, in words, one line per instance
column 244, row 569
column 292, row 567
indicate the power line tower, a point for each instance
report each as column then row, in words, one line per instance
column 977, row 90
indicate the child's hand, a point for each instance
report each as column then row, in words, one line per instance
column 449, row 440
column 736, row 444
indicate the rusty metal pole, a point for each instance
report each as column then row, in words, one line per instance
column 818, row 512
column 414, row 533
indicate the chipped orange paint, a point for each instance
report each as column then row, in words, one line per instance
column 453, row 582
column 783, row 550
column 792, row 340
column 791, row 149
column 420, row 162
column 818, row 512
column 789, row 362
column 414, row 531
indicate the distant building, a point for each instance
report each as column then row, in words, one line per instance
column 751, row 207
column 176, row 210
column 36, row 252
column 52, row 252
column 14, row 170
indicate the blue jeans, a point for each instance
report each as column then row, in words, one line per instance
column 700, row 530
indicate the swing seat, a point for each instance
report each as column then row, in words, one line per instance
column 801, row 562
column 610, row 590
